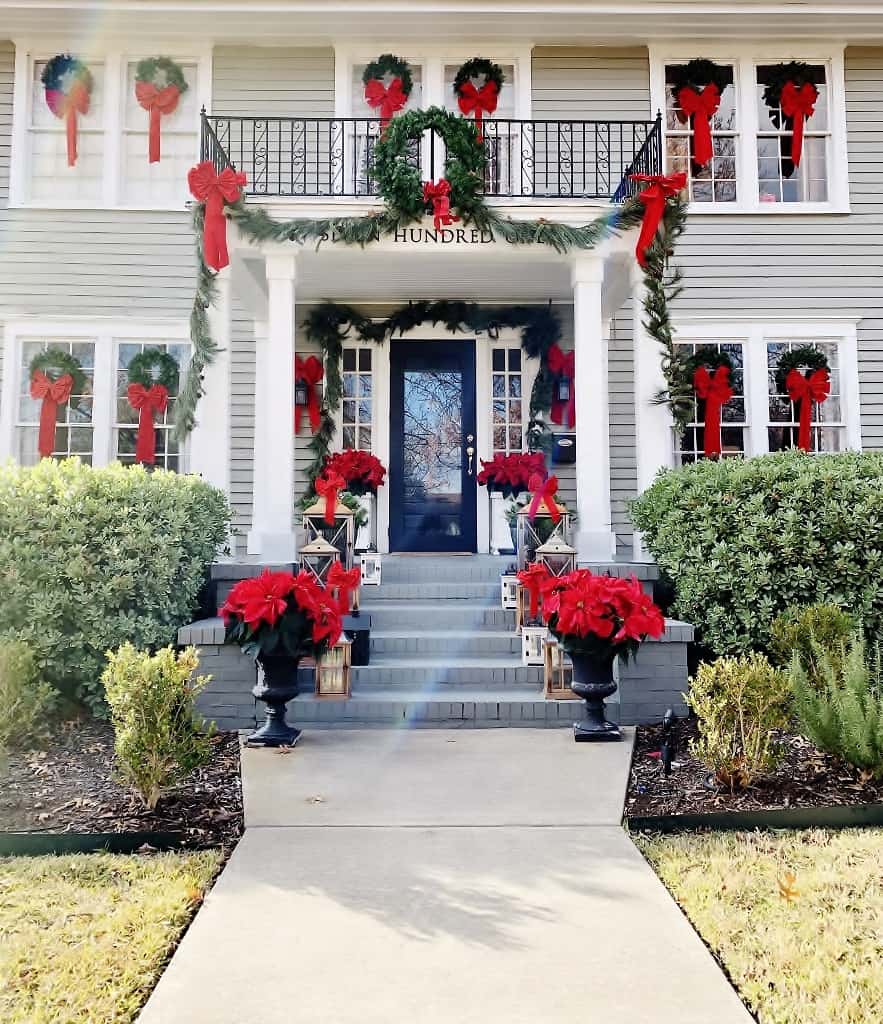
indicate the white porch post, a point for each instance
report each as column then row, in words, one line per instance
column 209, row 448
column 272, row 533
column 595, row 540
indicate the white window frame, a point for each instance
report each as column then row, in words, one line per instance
column 106, row 335
column 115, row 61
column 358, row 344
column 744, row 59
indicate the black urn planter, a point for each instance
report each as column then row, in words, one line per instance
column 593, row 681
column 276, row 686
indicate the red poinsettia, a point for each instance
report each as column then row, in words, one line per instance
column 278, row 612
column 511, row 474
column 362, row 472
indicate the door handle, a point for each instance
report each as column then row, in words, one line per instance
column 470, row 451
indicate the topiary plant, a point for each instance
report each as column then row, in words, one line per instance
column 26, row 701
column 800, row 630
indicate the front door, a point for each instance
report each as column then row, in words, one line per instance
column 432, row 446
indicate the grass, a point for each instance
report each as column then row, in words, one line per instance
column 796, row 918
column 84, row 938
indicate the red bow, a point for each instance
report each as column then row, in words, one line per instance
column 715, row 390
column 543, row 493
column 807, row 389
column 148, row 402
column 345, row 582
column 214, row 190
column 157, row 102
column 701, row 106
column 67, row 106
column 563, row 364
column 310, row 372
column 533, row 579
column 327, row 487
column 661, row 187
column 389, row 100
column 798, row 104
column 478, row 101
column 439, row 194
column 53, row 393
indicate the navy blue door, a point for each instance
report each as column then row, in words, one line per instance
column 432, row 429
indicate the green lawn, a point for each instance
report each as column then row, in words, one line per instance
column 795, row 917
column 84, row 938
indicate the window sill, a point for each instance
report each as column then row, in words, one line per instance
column 98, row 207
column 769, row 209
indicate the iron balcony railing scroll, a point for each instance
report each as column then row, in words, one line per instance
column 320, row 157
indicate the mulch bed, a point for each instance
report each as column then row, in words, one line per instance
column 70, row 786
column 805, row 777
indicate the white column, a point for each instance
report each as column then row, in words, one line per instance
column 595, row 540
column 272, row 533
column 209, row 451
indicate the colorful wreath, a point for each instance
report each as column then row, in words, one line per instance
column 159, row 83
column 478, row 102
column 697, row 87
column 67, row 83
column 709, row 374
column 387, row 99
column 152, row 375
column 55, row 375
column 791, row 89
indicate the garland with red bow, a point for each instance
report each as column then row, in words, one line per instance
column 562, row 367
column 710, row 372
column 309, row 371
column 803, row 374
column 55, row 376
column 543, row 492
column 159, row 83
column 438, row 195
column 214, row 190
column 342, row 584
column 482, row 100
column 67, row 84
column 387, row 100
column 697, row 88
column 791, row 94
column 661, row 188
column 153, row 375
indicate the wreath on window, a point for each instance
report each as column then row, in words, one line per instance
column 478, row 101
column 804, row 375
column 55, row 375
column 67, row 84
column 152, row 375
column 697, row 88
column 792, row 90
column 387, row 99
column 709, row 371
column 159, row 83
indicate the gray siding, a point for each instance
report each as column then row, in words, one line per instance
column 280, row 82
column 590, row 84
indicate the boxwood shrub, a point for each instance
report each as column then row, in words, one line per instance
column 91, row 558
column 743, row 540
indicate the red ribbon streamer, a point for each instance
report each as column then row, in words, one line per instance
column 310, row 372
column 389, row 100
column 156, row 102
column 661, row 187
column 439, row 194
column 715, row 390
column 799, row 105
column 701, row 107
column 345, row 582
column 327, row 488
column 214, row 190
column 806, row 390
column 53, row 394
column 543, row 493
column 147, row 402
column 478, row 102
column 67, row 106
column 563, row 364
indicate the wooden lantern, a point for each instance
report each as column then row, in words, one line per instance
column 533, row 533
column 509, row 590
column 557, row 556
column 370, row 563
column 557, row 672
column 317, row 557
column 533, row 640
column 341, row 533
column 333, row 670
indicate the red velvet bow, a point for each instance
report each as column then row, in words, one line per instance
column 439, row 194
column 478, row 101
column 701, row 106
column 345, row 582
column 67, row 106
column 806, row 390
column 156, row 102
column 563, row 364
column 533, row 579
column 327, row 487
column 214, row 190
column 661, row 187
column 389, row 100
column 543, row 493
column 714, row 389
column 53, row 393
column 148, row 402
column 798, row 104
column 310, row 371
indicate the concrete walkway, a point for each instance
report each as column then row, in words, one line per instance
column 476, row 877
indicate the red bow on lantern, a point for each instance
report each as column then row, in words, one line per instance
column 310, row 371
column 389, row 100
column 563, row 364
column 478, row 101
column 543, row 493
column 148, row 402
column 701, row 107
column 661, row 187
column 67, row 106
column 806, row 390
column 714, row 389
column 533, row 579
column 439, row 194
column 345, row 582
column 798, row 104
column 214, row 190
column 156, row 102
column 327, row 487
column 53, row 394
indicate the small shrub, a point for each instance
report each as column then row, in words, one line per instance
column 159, row 737
column 840, row 706
column 797, row 630
column 739, row 702
column 25, row 699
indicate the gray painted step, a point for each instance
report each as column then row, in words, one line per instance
column 419, row 672
column 431, row 591
column 389, row 616
column 453, row 644
column 443, row 569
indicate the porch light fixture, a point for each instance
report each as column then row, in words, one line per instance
column 531, row 534
column 333, row 670
column 341, row 534
column 371, row 568
column 563, row 389
column 317, row 557
column 509, row 590
column 557, row 556
column 533, row 639
column 301, row 393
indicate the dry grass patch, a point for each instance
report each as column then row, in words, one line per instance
column 84, row 938
column 796, row 918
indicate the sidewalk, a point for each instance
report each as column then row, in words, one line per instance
column 442, row 877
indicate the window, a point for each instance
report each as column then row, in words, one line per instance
column 502, row 140
column 357, row 409
column 828, row 428
column 690, row 447
column 126, row 418
column 507, row 399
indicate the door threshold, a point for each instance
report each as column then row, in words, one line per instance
column 433, row 554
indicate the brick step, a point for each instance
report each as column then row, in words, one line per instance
column 445, row 615
column 453, row 644
column 429, row 670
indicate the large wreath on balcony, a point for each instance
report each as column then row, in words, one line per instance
column 478, row 102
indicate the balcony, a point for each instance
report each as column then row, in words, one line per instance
column 318, row 158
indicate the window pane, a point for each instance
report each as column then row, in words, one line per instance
column 349, row 359
column 365, row 360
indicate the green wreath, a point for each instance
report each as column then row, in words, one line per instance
column 55, row 363
column 388, row 64
column 806, row 356
column 401, row 183
column 161, row 71
column 698, row 73
column 708, row 357
column 796, row 71
column 479, row 67
column 142, row 366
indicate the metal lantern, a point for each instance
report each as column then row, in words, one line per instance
column 317, row 557
column 509, row 590
column 370, row 562
column 533, row 639
column 557, row 556
column 333, row 670
column 301, row 393
column 533, row 533
column 341, row 533
column 557, row 672
column 563, row 389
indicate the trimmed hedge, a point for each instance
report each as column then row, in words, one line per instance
column 745, row 539
column 91, row 558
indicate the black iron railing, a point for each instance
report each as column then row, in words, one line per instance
column 301, row 157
